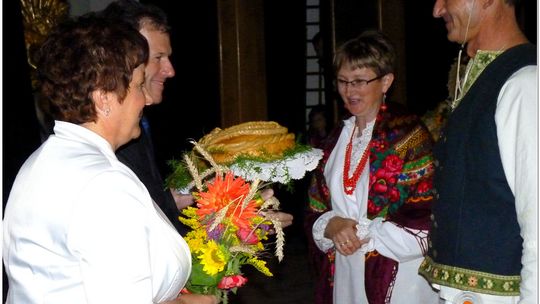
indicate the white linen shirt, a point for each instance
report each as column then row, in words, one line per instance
column 80, row 227
column 388, row 239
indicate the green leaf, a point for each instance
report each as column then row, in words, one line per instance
column 199, row 277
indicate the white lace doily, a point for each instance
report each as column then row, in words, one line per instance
column 281, row 170
column 277, row 171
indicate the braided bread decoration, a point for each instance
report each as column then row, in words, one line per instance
column 262, row 139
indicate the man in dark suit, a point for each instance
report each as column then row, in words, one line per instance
column 138, row 155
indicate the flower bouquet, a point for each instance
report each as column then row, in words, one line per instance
column 226, row 171
column 229, row 225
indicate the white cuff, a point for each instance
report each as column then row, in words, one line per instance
column 319, row 227
column 362, row 232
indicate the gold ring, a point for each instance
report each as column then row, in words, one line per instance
column 344, row 243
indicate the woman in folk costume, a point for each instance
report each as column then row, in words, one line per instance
column 370, row 199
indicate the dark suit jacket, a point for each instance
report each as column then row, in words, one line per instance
column 138, row 155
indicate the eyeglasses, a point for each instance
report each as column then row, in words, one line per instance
column 356, row 83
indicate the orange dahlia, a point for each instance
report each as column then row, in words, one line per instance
column 223, row 192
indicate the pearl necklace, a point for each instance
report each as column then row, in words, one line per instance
column 349, row 183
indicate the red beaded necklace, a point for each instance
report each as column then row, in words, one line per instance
column 349, row 183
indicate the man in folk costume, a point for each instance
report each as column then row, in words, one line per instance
column 483, row 242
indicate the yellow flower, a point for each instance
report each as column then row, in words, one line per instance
column 212, row 258
column 190, row 212
column 195, row 245
column 193, row 223
column 195, row 240
column 191, row 219
column 259, row 265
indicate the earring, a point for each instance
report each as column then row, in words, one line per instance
column 383, row 103
column 107, row 112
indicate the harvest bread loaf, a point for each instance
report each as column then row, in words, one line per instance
column 266, row 140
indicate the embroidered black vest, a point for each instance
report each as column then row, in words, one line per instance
column 475, row 241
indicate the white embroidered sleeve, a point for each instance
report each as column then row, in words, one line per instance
column 398, row 243
column 319, row 226
column 326, row 244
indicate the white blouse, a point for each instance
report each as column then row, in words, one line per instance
column 387, row 238
column 80, row 227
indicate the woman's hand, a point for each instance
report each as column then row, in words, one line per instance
column 342, row 231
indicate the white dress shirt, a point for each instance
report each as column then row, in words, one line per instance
column 80, row 227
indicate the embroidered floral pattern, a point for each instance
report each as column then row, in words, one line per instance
column 470, row 280
column 385, row 194
column 416, row 170
column 475, row 67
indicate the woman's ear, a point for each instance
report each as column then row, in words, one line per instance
column 387, row 81
column 102, row 102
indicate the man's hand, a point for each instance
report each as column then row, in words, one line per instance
column 286, row 219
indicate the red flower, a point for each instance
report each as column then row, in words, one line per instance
column 247, row 236
column 232, row 282
column 372, row 180
column 383, row 176
column 380, row 174
column 424, row 186
column 380, row 186
column 227, row 191
column 372, row 208
column 379, row 145
column 392, row 163
column 393, row 194
column 387, row 175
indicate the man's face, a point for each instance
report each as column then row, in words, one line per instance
column 458, row 15
column 159, row 67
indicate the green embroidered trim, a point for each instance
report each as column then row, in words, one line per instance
column 414, row 171
column 316, row 205
column 464, row 279
column 475, row 67
column 480, row 61
column 417, row 164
